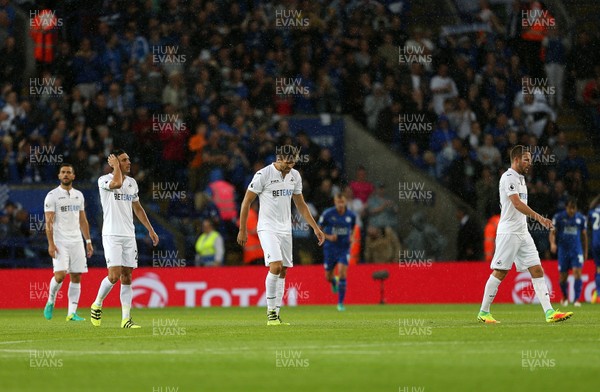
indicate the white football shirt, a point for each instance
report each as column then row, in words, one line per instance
column 511, row 220
column 117, row 206
column 275, row 197
column 66, row 206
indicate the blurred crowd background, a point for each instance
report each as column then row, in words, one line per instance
column 189, row 90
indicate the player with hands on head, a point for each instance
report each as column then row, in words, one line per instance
column 120, row 200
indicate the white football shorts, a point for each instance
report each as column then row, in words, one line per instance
column 120, row 251
column 70, row 257
column 515, row 248
column 276, row 247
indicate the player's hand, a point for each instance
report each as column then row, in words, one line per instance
column 547, row 223
column 153, row 237
column 113, row 161
column 242, row 238
column 320, row 235
column 52, row 251
column 553, row 248
column 90, row 249
column 333, row 237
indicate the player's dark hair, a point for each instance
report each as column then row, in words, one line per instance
column 116, row 152
column 65, row 164
column 571, row 201
column 517, row 152
column 287, row 152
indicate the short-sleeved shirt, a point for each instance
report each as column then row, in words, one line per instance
column 275, row 198
column 66, row 206
column 342, row 225
column 568, row 231
column 594, row 217
column 511, row 220
column 117, row 206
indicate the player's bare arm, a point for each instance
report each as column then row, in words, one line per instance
column 552, row 239
column 52, row 250
column 118, row 177
column 85, row 230
column 139, row 211
column 303, row 209
column 525, row 209
column 242, row 237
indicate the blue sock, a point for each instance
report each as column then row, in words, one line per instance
column 597, row 282
column 341, row 290
column 577, row 288
column 564, row 287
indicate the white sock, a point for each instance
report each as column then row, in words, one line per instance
column 126, row 298
column 54, row 287
column 279, row 294
column 541, row 291
column 491, row 288
column 103, row 291
column 74, row 291
column 271, row 286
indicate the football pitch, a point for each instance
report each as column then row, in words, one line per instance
column 366, row 348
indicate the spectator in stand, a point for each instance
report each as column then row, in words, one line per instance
column 464, row 173
column 488, row 154
column 581, row 62
column 88, row 69
column 414, row 156
column 555, row 59
column 559, row 196
column 442, row 88
column 382, row 211
column 424, row 237
column 381, row 245
column 374, row 104
column 462, row 118
column 487, row 197
column 210, row 248
column 196, row 145
column 361, row 186
column 537, row 115
column 420, row 44
column 591, row 98
column 355, row 205
column 469, row 243
column 572, row 163
column 442, row 136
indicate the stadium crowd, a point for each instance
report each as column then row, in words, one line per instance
column 189, row 90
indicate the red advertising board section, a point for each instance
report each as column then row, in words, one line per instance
column 447, row 282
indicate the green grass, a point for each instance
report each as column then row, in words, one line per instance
column 366, row 348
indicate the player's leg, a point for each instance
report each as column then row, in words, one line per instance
column 502, row 262
column 280, row 289
column 77, row 266
column 129, row 263
column 287, row 262
column 564, row 265
column 564, row 287
column 53, row 289
column 577, row 285
column 73, row 295
column 329, row 265
column 271, row 246
column 342, row 273
column 113, row 250
column 543, row 294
